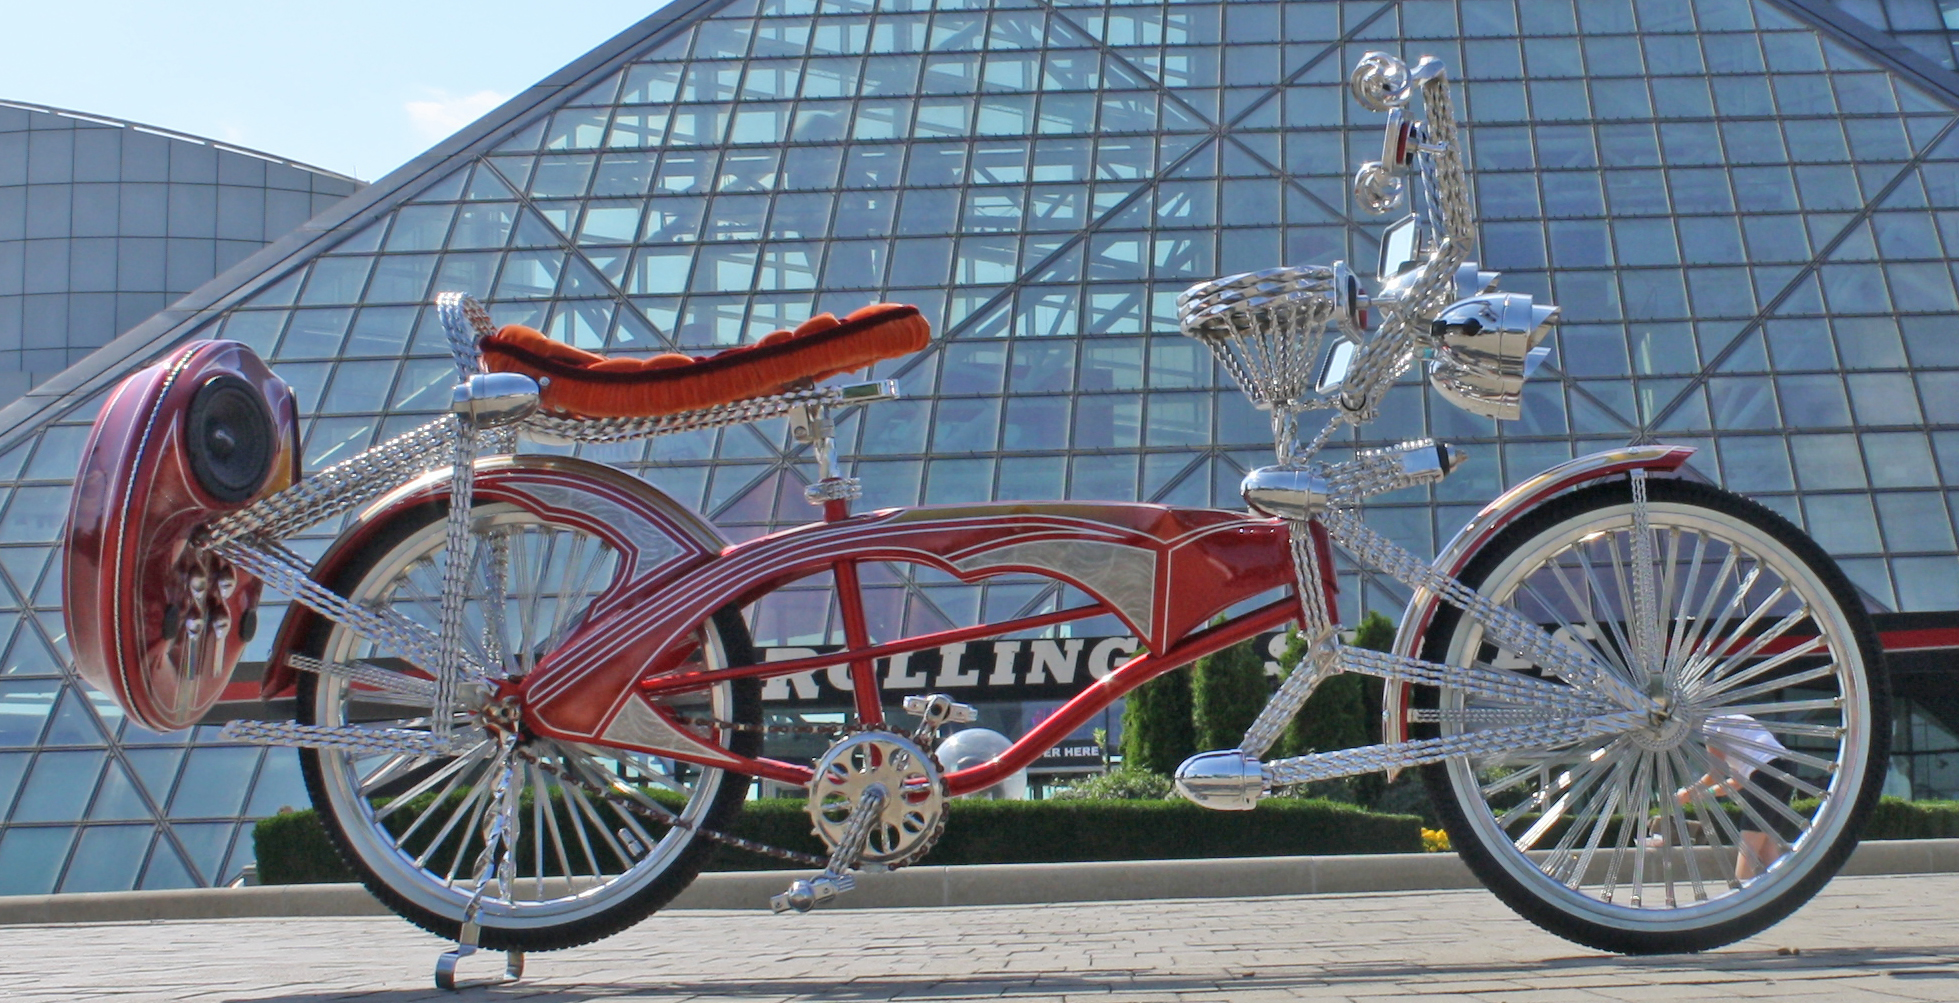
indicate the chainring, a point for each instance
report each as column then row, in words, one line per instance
column 914, row 811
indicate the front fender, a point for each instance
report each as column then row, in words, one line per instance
column 1505, row 509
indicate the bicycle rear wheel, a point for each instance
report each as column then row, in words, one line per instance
column 410, row 825
column 1769, row 678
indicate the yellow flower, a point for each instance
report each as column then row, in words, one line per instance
column 1435, row 841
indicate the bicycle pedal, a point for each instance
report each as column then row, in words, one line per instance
column 803, row 896
column 954, row 713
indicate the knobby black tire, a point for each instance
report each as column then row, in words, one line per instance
column 1553, row 916
column 657, row 893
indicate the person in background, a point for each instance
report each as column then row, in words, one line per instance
column 1744, row 748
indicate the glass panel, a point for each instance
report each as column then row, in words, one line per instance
column 1827, row 461
column 215, row 782
column 108, row 858
column 31, row 858
column 58, row 787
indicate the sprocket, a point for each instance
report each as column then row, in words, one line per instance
column 914, row 812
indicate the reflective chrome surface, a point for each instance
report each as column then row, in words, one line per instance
column 1286, row 492
column 1483, row 348
column 492, row 400
column 1227, row 780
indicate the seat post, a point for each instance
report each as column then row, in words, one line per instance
column 812, row 424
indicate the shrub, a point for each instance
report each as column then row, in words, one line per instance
column 293, row 849
column 1227, row 689
column 1124, row 784
column 1157, row 735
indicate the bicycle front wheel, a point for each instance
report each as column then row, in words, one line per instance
column 411, row 826
column 1741, row 793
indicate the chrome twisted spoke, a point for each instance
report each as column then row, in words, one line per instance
column 563, row 852
column 1704, row 803
column 1645, row 597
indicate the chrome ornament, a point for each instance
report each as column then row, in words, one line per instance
column 1286, row 492
column 1228, row 780
column 493, row 400
column 1485, row 347
column 1379, row 188
column 1380, row 82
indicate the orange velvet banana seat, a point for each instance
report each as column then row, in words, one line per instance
column 593, row 386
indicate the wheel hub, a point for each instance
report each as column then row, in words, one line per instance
column 1667, row 725
column 504, row 715
column 913, row 815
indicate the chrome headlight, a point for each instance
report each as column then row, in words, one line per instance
column 1485, row 347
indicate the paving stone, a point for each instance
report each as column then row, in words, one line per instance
column 1865, row 939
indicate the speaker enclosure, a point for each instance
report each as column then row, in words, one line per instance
column 157, row 624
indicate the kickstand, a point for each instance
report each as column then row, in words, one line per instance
column 445, row 965
column 494, row 865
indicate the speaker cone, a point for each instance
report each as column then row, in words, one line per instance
column 229, row 435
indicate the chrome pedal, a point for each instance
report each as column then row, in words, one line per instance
column 803, row 896
column 935, row 712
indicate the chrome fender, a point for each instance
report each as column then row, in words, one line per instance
column 1503, row 510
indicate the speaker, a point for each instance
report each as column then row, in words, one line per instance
column 230, row 438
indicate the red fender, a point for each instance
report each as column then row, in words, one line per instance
column 657, row 538
column 1503, row 510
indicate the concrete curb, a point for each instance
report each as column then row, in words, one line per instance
column 969, row 885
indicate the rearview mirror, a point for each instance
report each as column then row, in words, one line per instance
column 1400, row 248
column 1333, row 371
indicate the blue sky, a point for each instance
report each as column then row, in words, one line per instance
column 355, row 86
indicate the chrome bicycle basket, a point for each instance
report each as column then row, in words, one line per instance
column 1265, row 328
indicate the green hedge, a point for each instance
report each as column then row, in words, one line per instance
column 293, row 849
column 1900, row 819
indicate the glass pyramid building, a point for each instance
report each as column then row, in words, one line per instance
column 1927, row 27
column 1748, row 218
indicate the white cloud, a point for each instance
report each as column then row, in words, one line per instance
column 445, row 114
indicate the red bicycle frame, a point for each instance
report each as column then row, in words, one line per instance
column 1164, row 572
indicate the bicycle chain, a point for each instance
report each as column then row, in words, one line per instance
column 775, row 729
column 663, row 816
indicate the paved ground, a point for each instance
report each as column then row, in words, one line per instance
column 1870, row 939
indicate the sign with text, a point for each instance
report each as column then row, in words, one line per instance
column 1045, row 668
column 1076, row 755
